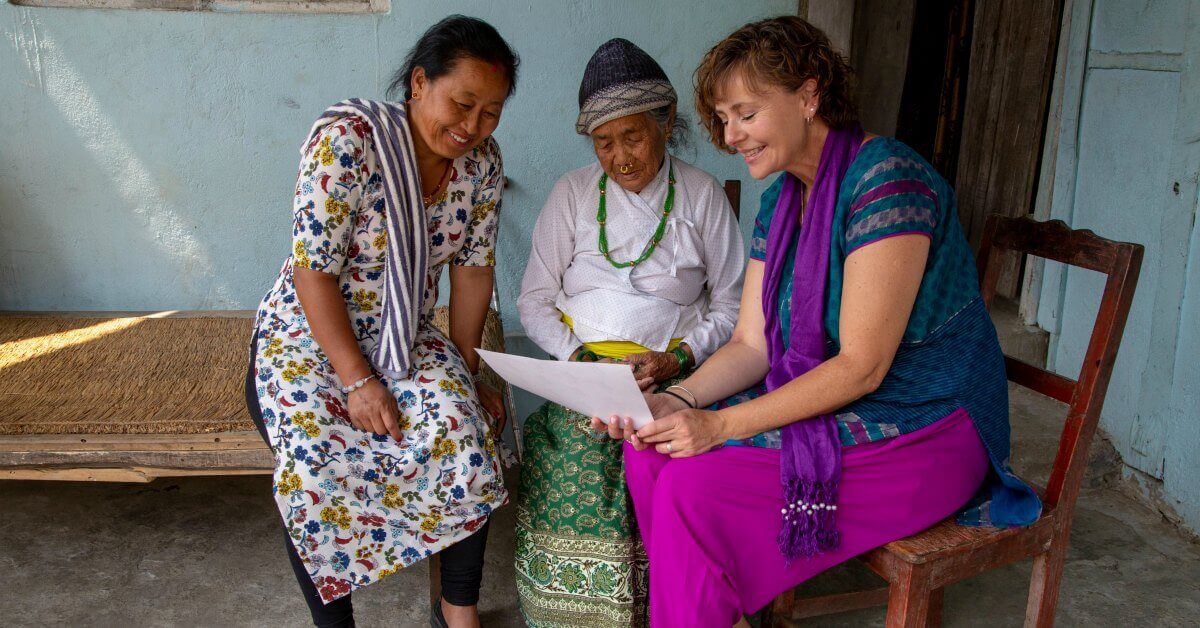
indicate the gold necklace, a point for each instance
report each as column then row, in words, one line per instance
column 438, row 194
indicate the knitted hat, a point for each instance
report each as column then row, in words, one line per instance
column 620, row 80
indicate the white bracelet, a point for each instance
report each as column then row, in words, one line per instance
column 356, row 385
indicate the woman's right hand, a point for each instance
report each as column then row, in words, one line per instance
column 373, row 409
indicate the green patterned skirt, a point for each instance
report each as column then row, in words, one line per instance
column 579, row 559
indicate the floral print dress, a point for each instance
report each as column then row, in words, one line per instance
column 359, row 506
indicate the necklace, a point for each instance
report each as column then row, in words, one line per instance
column 438, row 193
column 602, row 216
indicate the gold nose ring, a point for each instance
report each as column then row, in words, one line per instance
column 626, row 168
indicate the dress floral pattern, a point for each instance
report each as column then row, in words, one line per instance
column 359, row 506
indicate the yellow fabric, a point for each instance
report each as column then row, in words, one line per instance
column 616, row 349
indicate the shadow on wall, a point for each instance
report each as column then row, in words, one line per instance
column 128, row 203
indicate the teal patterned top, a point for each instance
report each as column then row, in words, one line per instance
column 949, row 356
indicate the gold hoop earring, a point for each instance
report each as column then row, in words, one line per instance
column 626, row 168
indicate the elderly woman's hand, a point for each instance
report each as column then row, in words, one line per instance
column 685, row 433
column 654, row 365
column 662, row 405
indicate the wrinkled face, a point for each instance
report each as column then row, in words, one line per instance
column 767, row 126
column 630, row 150
column 456, row 112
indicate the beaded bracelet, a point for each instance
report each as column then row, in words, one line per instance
column 346, row 390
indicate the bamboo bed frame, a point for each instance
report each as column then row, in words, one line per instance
column 144, row 457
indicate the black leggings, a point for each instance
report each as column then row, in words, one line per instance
column 462, row 563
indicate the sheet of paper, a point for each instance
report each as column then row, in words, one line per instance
column 590, row 388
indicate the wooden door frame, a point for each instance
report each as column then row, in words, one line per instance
column 1060, row 149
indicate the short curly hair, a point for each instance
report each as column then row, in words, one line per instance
column 782, row 52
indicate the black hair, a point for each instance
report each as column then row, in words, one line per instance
column 454, row 38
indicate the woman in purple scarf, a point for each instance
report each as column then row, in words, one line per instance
column 862, row 397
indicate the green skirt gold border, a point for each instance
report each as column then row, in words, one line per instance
column 579, row 560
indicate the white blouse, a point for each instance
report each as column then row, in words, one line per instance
column 689, row 288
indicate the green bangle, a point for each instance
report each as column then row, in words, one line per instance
column 682, row 356
column 587, row 355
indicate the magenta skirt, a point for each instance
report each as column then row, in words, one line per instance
column 709, row 522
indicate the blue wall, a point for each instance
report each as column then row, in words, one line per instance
column 148, row 158
column 1127, row 167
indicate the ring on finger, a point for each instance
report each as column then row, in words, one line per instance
column 670, row 447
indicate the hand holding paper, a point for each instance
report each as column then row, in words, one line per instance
column 589, row 388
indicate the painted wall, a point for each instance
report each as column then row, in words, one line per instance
column 148, row 157
column 1125, row 164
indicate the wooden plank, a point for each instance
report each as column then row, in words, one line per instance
column 839, row 603
column 132, row 442
column 836, row 18
column 1011, row 68
column 882, row 33
column 132, row 474
column 194, row 460
column 135, row 314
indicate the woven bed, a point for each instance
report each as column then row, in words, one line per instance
column 127, row 375
column 132, row 398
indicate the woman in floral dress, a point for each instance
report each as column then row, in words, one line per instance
column 379, row 466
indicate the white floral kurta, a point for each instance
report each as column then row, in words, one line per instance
column 360, row 506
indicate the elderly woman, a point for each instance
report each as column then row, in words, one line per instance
column 883, row 407
column 383, row 454
column 636, row 258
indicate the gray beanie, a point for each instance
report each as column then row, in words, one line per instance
column 620, row 80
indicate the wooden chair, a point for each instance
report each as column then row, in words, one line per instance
column 733, row 191
column 919, row 567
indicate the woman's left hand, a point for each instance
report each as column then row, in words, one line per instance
column 685, row 433
column 653, row 364
column 492, row 401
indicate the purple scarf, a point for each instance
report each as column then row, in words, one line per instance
column 811, row 456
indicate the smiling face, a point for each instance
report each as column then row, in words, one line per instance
column 456, row 112
column 634, row 143
column 767, row 126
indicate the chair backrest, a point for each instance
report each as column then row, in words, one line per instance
column 733, row 191
column 1120, row 262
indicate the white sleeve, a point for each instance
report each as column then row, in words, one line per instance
column 724, row 261
column 550, row 254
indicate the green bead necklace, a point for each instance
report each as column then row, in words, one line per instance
column 602, row 216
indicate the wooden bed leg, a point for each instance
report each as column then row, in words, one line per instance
column 435, row 580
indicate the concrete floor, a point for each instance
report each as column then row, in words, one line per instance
column 208, row 552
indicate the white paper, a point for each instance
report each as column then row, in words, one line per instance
column 589, row 388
